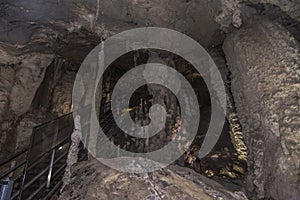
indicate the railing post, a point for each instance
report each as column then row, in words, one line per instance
column 23, row 179
column 50, row 168
column 48, row 171
column 6, row 189
column 52, row 155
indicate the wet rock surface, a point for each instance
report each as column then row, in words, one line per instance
column 264, row 61
column 93, row 180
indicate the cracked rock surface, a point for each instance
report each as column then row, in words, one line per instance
column 20, row 79
column 264, row 61
column 93, row 180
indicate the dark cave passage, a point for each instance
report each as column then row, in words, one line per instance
column 222, row 164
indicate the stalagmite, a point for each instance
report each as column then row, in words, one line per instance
column 73, row 151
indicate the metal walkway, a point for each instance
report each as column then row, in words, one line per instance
column 36, row 172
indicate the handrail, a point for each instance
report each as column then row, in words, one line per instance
column 36, row 161
column 15, row 168
column 13, row 157
column 44, row 171
column 54, row 148
column 32, row 170
column 37, row 191
column 55, row 188
column 12, row 169
column 53, row 120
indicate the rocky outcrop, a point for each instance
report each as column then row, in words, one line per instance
column 34, row 88
column 29, row 75
column 7, row 78
column 92, row 180
column 264, row 61
column 59, row 26
column 290, row 7
column 20, row 78
column 61, row 99
column 230, row 15
column 235, row 12
column 25, row 125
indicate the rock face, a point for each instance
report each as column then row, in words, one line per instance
column 25, row 124
column 234, row 12
column 29, row 75
column 61, row 102
column 92, row 180
column 290, row 7
column 64, row 26
column 20, row 77
column 194, row 18
column 20, row 80
column 7, row 78
column 34, row 88
column 264, row 61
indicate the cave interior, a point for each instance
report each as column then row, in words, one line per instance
column 255, row 46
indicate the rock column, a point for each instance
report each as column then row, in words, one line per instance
column 264, row 61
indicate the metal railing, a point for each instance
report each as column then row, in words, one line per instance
column 10, row 161
column 12, row 173
column 38, row 170
column 46, row 158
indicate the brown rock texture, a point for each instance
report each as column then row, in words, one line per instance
column 264, row 61
column 292, row 7
column 20, row 78
column 92, row 180
column 29, row 75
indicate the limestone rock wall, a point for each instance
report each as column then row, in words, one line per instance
column 62, row 25
column 29, row 75
column 7, row 78
column 92, row 180
column 264, row 61
column 292, row 7
column 234, row 13
column 34, row 88
column 20, row 78
column 61, row 99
